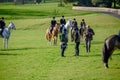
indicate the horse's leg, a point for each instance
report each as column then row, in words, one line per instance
column 106, row 65
column 55, row 40
column 72, row 38
column 106, row 57
column 5, row 43
column 81, row 37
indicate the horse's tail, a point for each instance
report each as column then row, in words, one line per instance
column 105, row 53
column 48, row 35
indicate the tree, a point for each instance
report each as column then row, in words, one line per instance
column 84, row 2
column 61, row 3
column 118, row 2
column 114, row 1
column 102, row 3
column 44, row 1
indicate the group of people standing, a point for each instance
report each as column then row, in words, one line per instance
column 63, row 39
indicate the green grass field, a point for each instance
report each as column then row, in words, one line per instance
column 29, row 57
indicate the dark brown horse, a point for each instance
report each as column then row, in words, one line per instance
column 110, row 44
column 54, row 34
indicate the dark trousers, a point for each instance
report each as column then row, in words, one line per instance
column 77, row 48
column 63, row 47
column 51, row 29
column 1, row 32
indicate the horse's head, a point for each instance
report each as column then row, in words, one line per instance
column 12, row 26
column 69, row 24
column 57, row 25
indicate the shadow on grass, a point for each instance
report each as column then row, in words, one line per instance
column 116, row 54
column 15, row 49
column 6, row 51
column 25, row 48
column 89, row 55
column 8, row 54
column 97, row 55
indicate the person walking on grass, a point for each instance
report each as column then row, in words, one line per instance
column 63, row 42
column 77, row 41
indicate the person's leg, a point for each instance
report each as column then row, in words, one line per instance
column 77, row 48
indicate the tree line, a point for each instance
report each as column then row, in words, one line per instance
column 98, row 3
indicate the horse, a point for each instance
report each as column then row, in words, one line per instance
column 48, row 35
column 72, row 34
column 110, row 45
column 6, row 33
column 81, row 30
column 88, row 34
column 54, row 34
column 67, row 26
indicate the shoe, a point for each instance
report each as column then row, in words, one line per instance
column 62, row 56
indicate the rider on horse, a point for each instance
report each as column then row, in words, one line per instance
column 74, row 24
column 62, row 23
column 83, row 24
column 2, row 25
column 53, row 22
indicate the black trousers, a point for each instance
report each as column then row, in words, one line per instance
column 77, row 48
column 63, row 47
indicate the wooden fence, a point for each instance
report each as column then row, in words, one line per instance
column 115, row 11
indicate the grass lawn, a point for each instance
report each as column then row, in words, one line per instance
column 29, row 57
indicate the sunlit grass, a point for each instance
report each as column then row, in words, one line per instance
column 29, row 57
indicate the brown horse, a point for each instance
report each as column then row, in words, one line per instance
column 54, row 34
column 110, row 44
column 72, row 34
column 82, row 29
column 48, row 35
